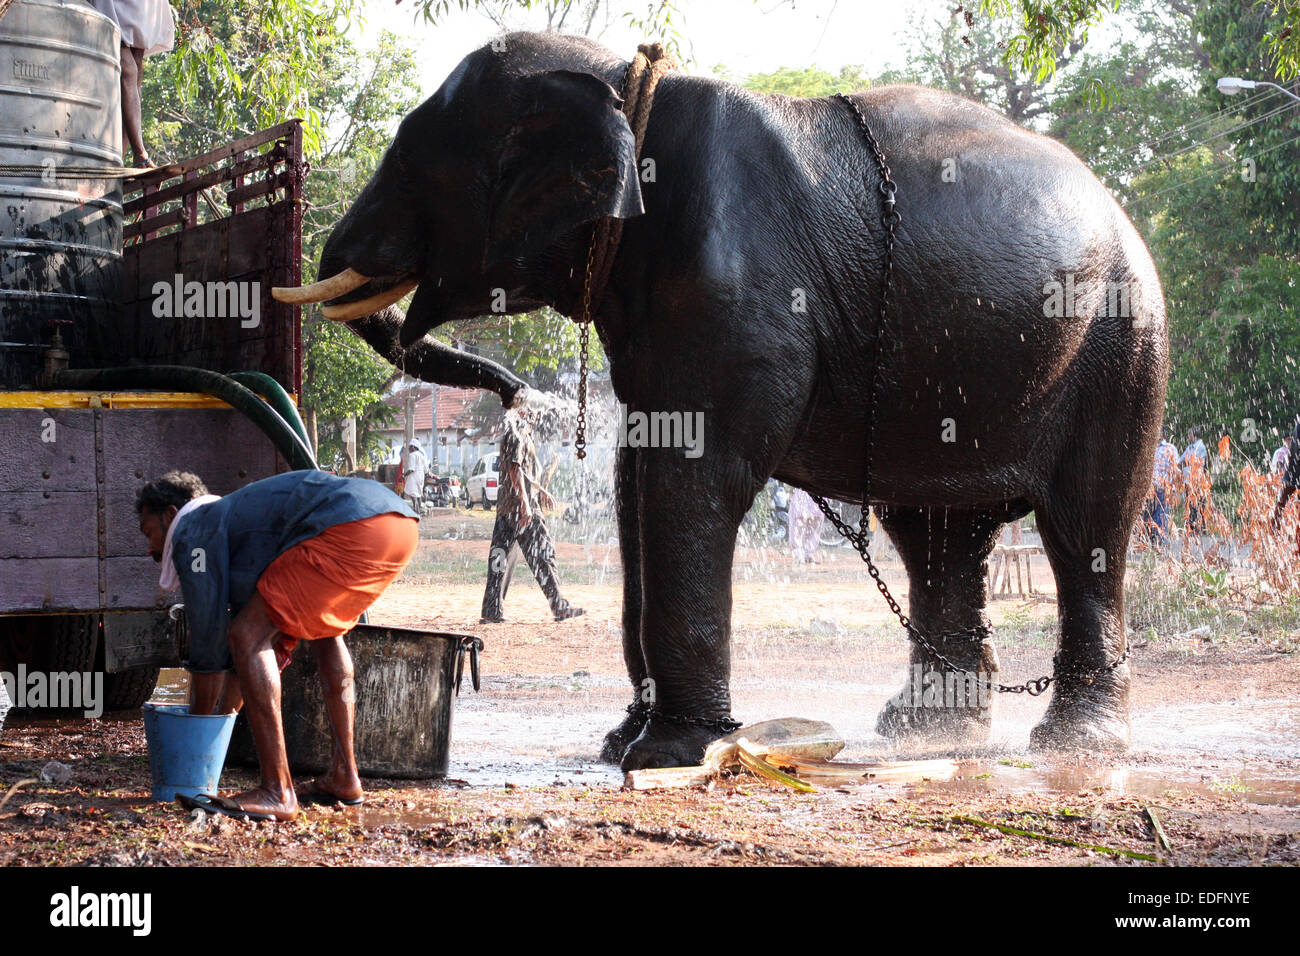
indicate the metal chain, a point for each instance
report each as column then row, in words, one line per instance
column 724, row 725
column 584, row 337
column 861, row 539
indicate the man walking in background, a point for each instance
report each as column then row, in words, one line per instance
column 416, row 467
column 518, row 519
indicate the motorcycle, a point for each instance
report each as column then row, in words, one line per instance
column 437, row 491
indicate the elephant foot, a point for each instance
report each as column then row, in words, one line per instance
column 664, row 743
column 902, row 723
column 617, row 740
column 938, row 705
column 1086, row 716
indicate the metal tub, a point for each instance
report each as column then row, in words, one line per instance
column 405, row 681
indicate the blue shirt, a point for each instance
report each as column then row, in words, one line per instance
column 221, row 549
column 1166, row 462
column 1291, row 477
column 1196, row 449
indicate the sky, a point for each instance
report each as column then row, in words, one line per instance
column 744, row 35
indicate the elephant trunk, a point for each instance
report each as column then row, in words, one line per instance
column 434, row 361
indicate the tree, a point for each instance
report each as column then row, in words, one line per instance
column 805, row 81
column 968, row 57
column 362, row 95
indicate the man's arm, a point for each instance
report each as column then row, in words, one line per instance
column 201, row 566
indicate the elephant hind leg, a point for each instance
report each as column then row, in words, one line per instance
column 946, row 553
column 1086, row 540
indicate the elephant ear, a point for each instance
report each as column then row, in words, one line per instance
column 568, row 158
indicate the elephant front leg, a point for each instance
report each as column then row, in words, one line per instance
column 688, row 521
column 629, row 543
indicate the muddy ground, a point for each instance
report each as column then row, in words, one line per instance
column 1215, row 755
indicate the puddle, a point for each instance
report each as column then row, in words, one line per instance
column 366, row 817
column 984, row 777
column 1245, row 728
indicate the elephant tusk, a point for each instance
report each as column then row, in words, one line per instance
column 330, row 288
column 356, row 310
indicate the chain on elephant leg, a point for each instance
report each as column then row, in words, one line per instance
column 1088, row 710
column 943, row 704
column 629, row 729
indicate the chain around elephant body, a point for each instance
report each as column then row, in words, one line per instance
column 860, row 539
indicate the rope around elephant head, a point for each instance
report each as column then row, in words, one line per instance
column 640, row 78
column 860, row 539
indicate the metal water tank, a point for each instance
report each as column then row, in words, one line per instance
column 60, row 236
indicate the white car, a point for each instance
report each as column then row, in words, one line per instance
column 484, row 482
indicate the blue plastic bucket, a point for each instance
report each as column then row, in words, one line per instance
column 186, row 751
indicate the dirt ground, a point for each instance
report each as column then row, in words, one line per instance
column 1214, row 756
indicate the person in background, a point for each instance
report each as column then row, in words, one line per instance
column 1162, row 480
column 1282, row 456
column 806, row 521
column 299, row 556
column 1195, row 449
column 147, row 28
column 1290, row 481
column 518, row 519
column 416, row 467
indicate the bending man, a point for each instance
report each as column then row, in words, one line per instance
column 298, row 556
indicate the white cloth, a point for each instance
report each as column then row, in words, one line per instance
column 417, row 464
column 170, row 580
column 1280, row 458
column 805, row 525
column 145, row 24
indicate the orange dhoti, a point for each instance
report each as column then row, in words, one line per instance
column 320, row 587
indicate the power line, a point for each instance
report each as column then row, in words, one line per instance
column 1219, row 170
column 1255, row 100
column 1196, row 145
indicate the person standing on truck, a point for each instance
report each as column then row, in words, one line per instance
column 298, row 556
column 518, row 519
column 147, row 28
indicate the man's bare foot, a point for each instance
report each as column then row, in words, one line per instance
column 333, row 789
column 260, row 800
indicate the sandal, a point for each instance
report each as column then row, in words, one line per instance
column 210, row 803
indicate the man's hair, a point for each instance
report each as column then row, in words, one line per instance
column 174, row 488
column 1194, row 432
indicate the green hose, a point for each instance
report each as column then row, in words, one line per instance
column 181, row 378
column 275, row 396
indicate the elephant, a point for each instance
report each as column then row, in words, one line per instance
column 1022, row 364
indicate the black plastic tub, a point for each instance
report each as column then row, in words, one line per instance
column 406, row 682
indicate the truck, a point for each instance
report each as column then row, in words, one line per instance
column 137, row 335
